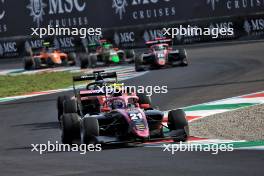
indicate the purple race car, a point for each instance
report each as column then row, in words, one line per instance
column 120, row 118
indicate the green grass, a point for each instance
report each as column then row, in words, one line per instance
column 22, row 84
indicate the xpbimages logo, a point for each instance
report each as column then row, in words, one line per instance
column 57, row 147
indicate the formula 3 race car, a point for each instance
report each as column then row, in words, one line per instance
column 93, row 117
column 160, row 54
column 103, row 53
column 47, row 57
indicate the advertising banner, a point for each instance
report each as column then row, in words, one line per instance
column 128, row 23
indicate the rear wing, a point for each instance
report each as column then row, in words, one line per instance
column 96, row 76
column 160, row 41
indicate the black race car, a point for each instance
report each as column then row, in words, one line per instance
column 159, row 55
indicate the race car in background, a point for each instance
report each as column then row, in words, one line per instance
column 47, row 57
column 92, row 116
column 160, row 54
column 103, row 53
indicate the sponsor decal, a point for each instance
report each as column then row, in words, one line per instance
column 235, row 4
column 34, row 44
column 36, row 8
column 94, row 38
column 65, row 43
column 8, row 49
column 55, row 9
column 152, row 34
column 120, row 7
column 146, row 9
column 124, row 38
column 254, row 26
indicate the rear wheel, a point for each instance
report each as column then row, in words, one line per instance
column 84, row 62
column 70, row 106
column 144, row 99
column 60, row 102
column 70, row 126
column 121, row 56
column 92, row 60
column 90, row 130
column 138, row 65
column 72, row 59
column 130, row 54
column 178, row 125
column 28, row 63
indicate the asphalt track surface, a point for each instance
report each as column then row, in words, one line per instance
column 214, row 73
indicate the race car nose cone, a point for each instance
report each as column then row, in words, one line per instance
column 161, row 61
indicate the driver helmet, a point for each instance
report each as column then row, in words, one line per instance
column 118, row 104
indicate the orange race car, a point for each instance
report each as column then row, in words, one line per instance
column 48, row 57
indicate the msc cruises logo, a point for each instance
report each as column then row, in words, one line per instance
column 120, row 7
column 212, row 3
column 36, row 8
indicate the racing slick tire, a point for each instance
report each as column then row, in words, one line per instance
column 92, row 59
column 121, row 55
column 37, row 63
column 70, row 106
column 84, row 62
column 89, row 130
column 28, row 63
column 178, row 125
column 70, row 126
column 183, row 57
column 130, row 54
column 138, row 64
column 28, row 49
column 72, row 59
column 60, row 102
column 144, row 99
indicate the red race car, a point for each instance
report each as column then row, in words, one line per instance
column 93, row 117
column 160, row 54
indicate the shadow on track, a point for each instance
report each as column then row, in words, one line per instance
column 40, row 126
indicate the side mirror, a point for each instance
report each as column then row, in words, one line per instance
column 144, row 106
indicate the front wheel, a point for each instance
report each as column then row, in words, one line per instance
column 70, row 126
column 178, row 125
column 28, row 63
column 90, row 130
column 183, row 57
column 84, row 62
column 60, row 102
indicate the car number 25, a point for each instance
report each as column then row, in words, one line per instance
column 136, row 116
